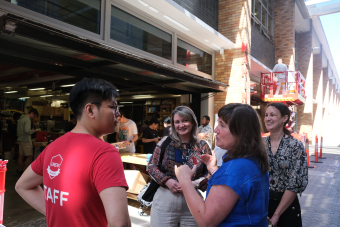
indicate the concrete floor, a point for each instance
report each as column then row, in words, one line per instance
column 16, row 210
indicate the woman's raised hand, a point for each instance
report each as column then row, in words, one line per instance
column 210, row 161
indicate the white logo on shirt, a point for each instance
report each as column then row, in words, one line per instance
column 53, row 169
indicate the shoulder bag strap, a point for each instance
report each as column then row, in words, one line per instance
column 163, row 148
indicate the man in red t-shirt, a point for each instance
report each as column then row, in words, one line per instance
column 83, row 177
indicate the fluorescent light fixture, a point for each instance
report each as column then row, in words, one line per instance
column 117, row 89
column 67, row 94
column 9, row 92
column 177, row 23
column 24, row 98
column 143, row 3
column 67, row 85
column 124, row 102
column 46, row 95
column 216, row 46
column 36, row 89
column 207, row 40
column 153, row 9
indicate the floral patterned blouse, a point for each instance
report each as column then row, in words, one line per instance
column 185, row 154
column 288, row 167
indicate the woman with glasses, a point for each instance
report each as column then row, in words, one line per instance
column 169, row 207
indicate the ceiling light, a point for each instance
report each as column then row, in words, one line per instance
column 153, row 9
column 177, row 23
column 24, row 97
column 143, row 3
column 67, row 94
column 124, row 102
column 36, row 89
column 67, row 85
column 9, row 92
column 46, row 95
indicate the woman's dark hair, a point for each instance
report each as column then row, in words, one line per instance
column 244, row 124
column 34, row 111
column 91, row 90
column 283, row 111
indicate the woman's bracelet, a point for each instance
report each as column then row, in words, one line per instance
column 213, row 171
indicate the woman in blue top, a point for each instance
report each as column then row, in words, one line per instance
column 237, row 193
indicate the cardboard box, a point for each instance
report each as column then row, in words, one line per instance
column 136, row 180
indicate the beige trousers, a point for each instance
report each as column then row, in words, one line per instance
column 170, row 210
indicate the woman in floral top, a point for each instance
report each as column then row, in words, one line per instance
column 288, row 171
column 169, row 207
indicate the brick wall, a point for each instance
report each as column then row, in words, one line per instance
column 206, row 10
column 262, row 49
column 284, row 32
column 234, row 23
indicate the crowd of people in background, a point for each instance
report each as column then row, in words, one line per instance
column 252, row 181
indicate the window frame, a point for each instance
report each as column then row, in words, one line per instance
column 264, row 27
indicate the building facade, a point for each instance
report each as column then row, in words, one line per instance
column 210, row 52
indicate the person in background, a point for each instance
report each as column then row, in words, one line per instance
column 24, row 132
column 71, row 124
column 150, row 136
column 82, row 176
column 237, row 193
column 288, row 171
column 205, row 131
column 127, row 133
column 167, row 126
column 280, row 68
column 12, row 129
column 169, row 207
column 143, row 127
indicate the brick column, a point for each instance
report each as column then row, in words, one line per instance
column 284, row 32
column 305, row 59
column 234, row 23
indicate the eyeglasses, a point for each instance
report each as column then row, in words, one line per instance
column 114, row 107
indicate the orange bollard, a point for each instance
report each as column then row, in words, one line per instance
column 316, row 151
column 321, row 143
column 307, row 151
column 3, row 169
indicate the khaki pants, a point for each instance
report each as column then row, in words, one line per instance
column 25, row 148
column 170, row 210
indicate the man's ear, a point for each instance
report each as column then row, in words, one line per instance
column 89, row 110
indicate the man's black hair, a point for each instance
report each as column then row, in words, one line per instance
column 89, row 91
column 72, row 116
column 207, row 117
column 16, row 116
column 121, row 113
column 34, row 111
column 153, row 120
column 167, row 120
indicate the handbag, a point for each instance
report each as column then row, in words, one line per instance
column 145, row 197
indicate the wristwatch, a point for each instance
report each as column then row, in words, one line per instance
column 130, row 141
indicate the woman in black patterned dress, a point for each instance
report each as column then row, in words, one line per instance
column 288, row 172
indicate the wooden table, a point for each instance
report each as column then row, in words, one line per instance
column 134, row 158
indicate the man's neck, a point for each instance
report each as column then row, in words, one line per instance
column 124, row 120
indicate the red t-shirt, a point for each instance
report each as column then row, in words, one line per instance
column 75, row 169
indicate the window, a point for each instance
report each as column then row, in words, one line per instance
column 193, row 57
column 262, row 17
column 82, row 14
column 134, row 32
